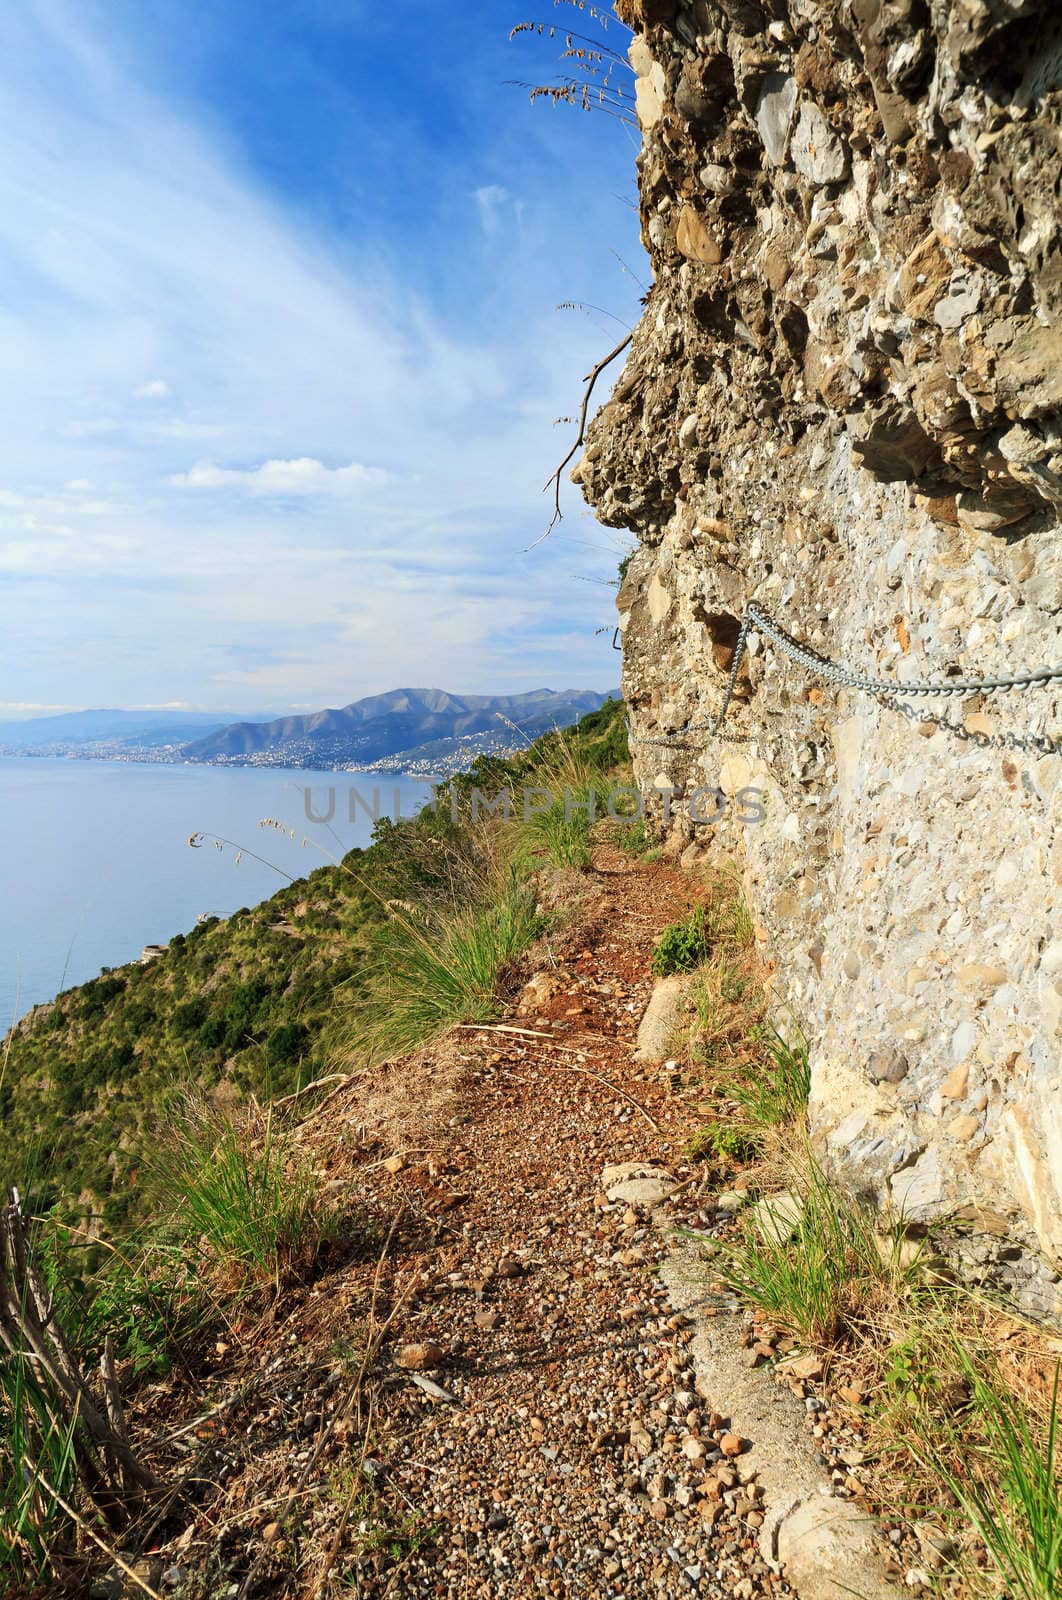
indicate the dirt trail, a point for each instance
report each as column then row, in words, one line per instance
column 574, row 1456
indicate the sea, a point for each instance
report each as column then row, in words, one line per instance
column 96, row 864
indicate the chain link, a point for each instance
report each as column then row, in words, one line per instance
column 886, row 690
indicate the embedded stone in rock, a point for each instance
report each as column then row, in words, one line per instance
column 694, row 240
column 637, row 1184
column 693, row 856
column 647, row 103
column 818, row 154
column 981, row 514
column 888, row 1066
column 774, row 114
column 919, row 1189
column 640, row 56
column 890, row 442
column 659, row 600
column 663, row 1018
column 923, row 278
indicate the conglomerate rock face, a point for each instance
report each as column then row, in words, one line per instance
column 843, row 404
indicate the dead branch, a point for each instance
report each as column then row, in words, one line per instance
column 110, row 1473
column 555, row 480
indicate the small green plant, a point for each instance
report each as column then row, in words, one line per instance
column 635, row 840
column 245, row 1201
column 147, row 1308
column 397, row 1535
column 723, row 1146
column 682, row 945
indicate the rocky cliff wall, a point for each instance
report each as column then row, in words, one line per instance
column 844, row 405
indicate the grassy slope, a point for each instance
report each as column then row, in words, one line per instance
column 249, row 1000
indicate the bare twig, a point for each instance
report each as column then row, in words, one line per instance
column 555, row 480
column 338, row 1078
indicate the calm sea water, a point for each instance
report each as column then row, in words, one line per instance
column 95, row 862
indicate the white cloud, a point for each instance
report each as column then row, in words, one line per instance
column 304, row 476
column 491, row 199
column 233, row 532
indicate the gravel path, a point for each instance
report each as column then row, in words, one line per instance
column 576, row 1458
column 565, row 1450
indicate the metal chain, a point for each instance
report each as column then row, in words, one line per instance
column 887, row 690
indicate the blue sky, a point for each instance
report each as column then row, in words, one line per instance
column 282, row 353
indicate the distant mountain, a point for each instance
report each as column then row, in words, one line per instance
column 387, row 727
column 119, row 729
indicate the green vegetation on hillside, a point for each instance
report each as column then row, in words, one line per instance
column 257, row 1004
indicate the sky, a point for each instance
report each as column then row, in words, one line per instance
column 284, row 353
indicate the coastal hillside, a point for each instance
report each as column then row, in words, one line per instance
column 408, row 724
column 248, row 1005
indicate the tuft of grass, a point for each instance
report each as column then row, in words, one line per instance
column 1014, row 1505
column 37, row 1469
column 580, row 788
column 430, row 973
column 683, row 945
column 949, row 1406
column 563, row 833
column 245, row 1202
column 776, row 1090
column 819, row 1279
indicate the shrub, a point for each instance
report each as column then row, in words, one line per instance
column 682, row 945
column 288, row 1043
column 212, row 1033
column 188, row 1016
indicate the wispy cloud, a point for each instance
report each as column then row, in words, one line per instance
column 492, row 199
column 328, row 489
column 274, row 479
